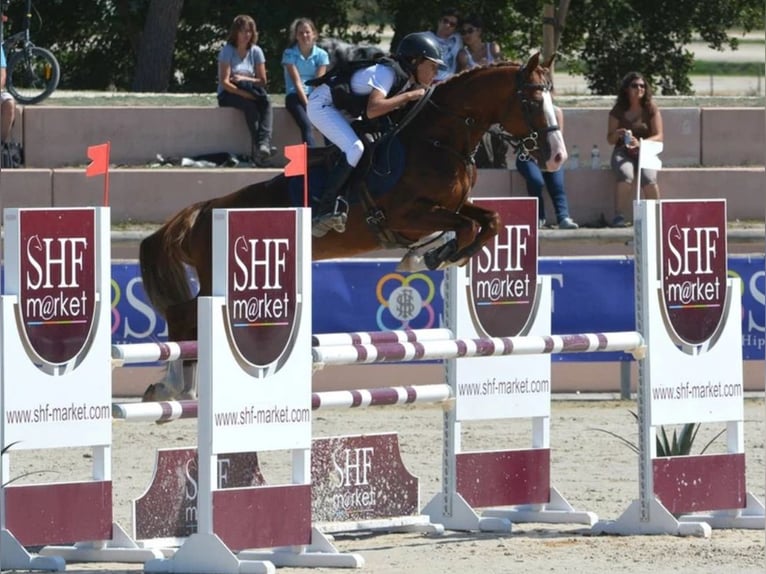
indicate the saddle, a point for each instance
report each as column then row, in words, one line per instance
column 379, row 169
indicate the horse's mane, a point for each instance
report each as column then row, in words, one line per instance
column 460, row 78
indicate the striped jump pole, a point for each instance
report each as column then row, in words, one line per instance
column 133, row 353
column 629, row 341
column 378, row 337
column 161, row 352
column 165, row 411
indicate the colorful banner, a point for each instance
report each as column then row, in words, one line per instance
column 589, row 295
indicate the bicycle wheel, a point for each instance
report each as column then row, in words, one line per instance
column 33, row 74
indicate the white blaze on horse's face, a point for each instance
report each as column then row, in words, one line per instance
column 555, row 137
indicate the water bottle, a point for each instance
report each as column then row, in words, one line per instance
column 595, row 158
column 574, row 158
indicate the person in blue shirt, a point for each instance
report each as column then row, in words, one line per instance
column 537, row 179
column 303, row 60
column 8, row 109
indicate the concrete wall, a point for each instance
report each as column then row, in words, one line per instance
column 58, row 136
column 721, row 140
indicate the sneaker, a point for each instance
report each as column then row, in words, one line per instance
column 568, row 223
column 619, row 221
column 321, row 224
column 541, row 224
column 264, row 152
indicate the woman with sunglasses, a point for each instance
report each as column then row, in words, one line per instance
column 475, row 51
column 448, row 39
column 634, row 117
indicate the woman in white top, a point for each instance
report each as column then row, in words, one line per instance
column 475, row 51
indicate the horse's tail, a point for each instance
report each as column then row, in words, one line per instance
column 162, row 257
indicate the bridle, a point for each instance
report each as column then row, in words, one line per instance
column 523, row 146
column 531, row 142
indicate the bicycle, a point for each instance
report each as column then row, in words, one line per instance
column 32, row 72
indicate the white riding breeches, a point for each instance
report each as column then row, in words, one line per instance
column 333, row 124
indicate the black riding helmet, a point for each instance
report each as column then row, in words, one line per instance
column 417, row 46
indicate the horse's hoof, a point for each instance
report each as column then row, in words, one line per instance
column 411, row 263
column 148, row 396
column 159, row 392
column 436, row 257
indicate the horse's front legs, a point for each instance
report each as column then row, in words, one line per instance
column 434, row 220
column 489, row 225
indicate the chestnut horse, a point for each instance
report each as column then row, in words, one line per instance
column 430, row 196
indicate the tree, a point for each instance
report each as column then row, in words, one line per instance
column 155, row 46
column 650, row 35
column 124, row 44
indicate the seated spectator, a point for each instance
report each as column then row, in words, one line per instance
column 449, row 42
column 475, row 52
column 493, row 149
column 634, row 116
column 8, row 109
column 552, row 180
column 242, row 84
column 302, row 61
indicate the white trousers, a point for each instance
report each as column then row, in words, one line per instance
column 333, row 124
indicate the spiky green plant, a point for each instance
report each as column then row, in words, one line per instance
column 679, row 444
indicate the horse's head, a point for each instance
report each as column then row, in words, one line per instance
column 543, row 138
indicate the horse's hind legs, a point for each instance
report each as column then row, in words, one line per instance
column 179, row 383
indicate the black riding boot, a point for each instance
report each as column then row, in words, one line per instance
column 331, row 213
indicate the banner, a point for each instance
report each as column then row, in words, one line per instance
column 591, row 294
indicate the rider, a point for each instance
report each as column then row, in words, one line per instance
column 372, row 91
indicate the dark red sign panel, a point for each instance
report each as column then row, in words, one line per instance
column 357, row 478
column 693, row 255
column 168, row 507
column 57, row 291
column 262, row 293
column 503, row 275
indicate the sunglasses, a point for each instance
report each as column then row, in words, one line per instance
column 637, row 86
column 449, row 22
column 468, row 30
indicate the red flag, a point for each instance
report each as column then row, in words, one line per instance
column 296, row 156
column 99, row 154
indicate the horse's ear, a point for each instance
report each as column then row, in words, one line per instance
column 549, row 63
column 533, row 62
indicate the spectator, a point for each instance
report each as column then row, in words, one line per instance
column 373, row 91
column 475, row 52
column 633, row 117
column 302, row 61
column 449, row 42
column 242, row 83
column 552, row 180
column 8, row 109
column 493, row 149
